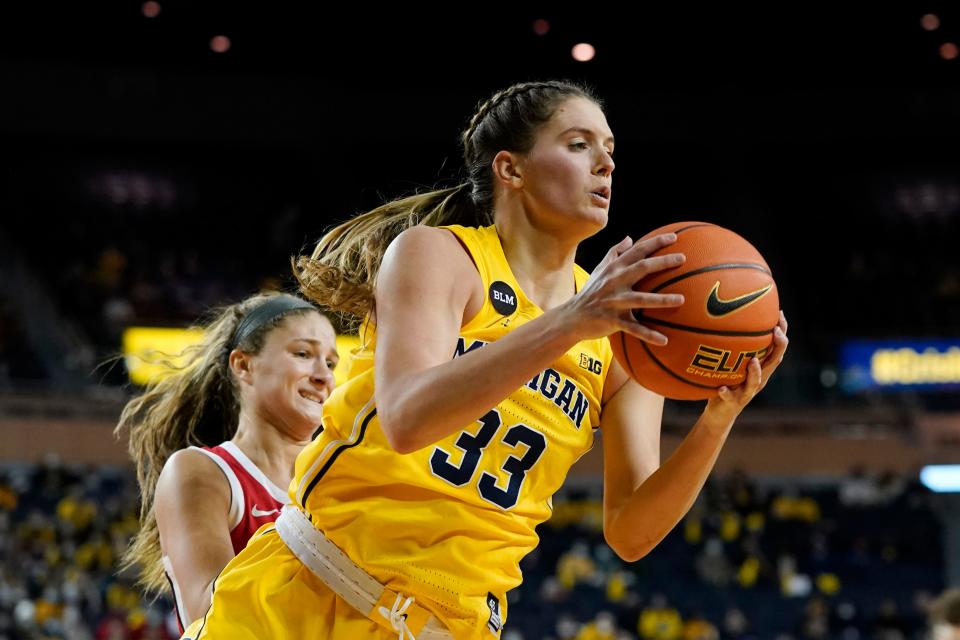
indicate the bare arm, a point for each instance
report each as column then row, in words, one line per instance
column 644, row 501
column 425, row 286
column 191, row 504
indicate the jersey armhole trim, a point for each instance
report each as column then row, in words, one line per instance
column 177, row 597
column 480, row 272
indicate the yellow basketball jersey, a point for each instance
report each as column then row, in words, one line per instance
column 450, row 523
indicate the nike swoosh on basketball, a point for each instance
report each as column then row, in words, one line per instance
column 716, row 306
column 257, row 513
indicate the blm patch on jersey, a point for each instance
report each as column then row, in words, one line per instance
column 495, row 623
column 503, row 298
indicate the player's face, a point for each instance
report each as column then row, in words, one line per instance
column 568, row 173
column 293, row 373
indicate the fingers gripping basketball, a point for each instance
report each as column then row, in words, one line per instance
column 730, row 311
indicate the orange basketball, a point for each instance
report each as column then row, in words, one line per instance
column 728, row 316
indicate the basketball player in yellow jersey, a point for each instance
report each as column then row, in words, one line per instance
column 484, row 372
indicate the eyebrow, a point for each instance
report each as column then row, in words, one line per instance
column 588, row 132
column 318, row 343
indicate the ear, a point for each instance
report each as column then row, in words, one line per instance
column 241, row 364
column 508, row 169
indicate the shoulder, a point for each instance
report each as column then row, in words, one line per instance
column 191, row 472
column 429, row 244
column 195, row 511
column 428, row 271
column 426, row 257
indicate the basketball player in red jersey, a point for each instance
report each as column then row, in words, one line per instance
column 215, row 442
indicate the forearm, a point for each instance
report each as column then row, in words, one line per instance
column 657, row 505
column 425, row 406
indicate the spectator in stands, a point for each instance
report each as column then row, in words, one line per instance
column 603, row 627
column 251, row 395
column 889, row 624
column 735, row 624
column 659, row 620
column 577, row 565
column 699, row 628
column 712, row 564
column 859, row 489
column 816, row 620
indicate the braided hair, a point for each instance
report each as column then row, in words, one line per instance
column 342, row 270
column 509, row 120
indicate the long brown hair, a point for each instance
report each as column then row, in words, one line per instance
column 197, row 404
column 342, row 271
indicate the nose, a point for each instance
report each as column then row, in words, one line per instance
column 323, row 376
column 605, row 164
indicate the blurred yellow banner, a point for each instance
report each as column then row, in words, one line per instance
column 149, row 352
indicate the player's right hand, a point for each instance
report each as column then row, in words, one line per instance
column 607, row 302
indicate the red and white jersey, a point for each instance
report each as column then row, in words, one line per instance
column 254, row 501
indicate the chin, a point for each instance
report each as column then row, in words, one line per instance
column 593, row 221
column 312, row 415
column 306, row 427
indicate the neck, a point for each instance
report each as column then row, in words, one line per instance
column 272, row 450
column 541, row 261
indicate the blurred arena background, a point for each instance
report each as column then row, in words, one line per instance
column 158, row 158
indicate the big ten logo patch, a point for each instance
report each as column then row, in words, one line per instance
column 591, row 365
column 495, row 623
column 711, row 362
column 503, row 298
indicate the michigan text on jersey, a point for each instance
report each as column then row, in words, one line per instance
column 549, row 383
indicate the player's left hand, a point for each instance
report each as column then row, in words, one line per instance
column 730, row 401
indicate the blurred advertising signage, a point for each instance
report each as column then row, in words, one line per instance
column 941, row 478
column 152, row 353
column 900, row 365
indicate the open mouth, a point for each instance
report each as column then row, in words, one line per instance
column 603, row 193
column 312, row 397
column 600, row 198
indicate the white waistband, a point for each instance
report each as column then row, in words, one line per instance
column 358, row 588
